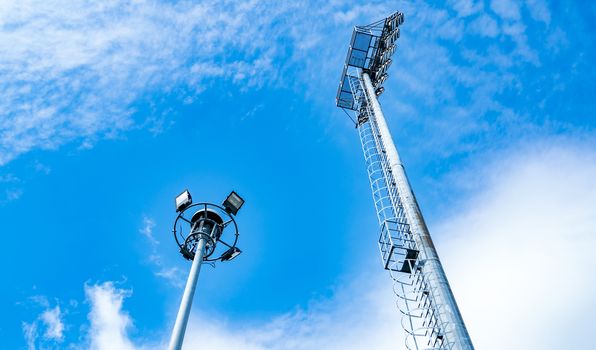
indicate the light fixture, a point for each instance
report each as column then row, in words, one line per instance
column 391, row 50
column 381, row 79
column 233, row 203
column 390, row 37
column 230, row 254
column 400, row 18
column 183, row 200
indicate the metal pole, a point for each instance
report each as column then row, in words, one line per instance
column 189, row 291
column 447, row 311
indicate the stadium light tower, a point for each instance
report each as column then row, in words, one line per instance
column 430, row 315
column 206, row 227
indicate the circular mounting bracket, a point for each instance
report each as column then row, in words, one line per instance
column 187, row 240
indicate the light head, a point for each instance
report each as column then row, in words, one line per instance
column 230, row 254
column 183, row 200
column 233, row 203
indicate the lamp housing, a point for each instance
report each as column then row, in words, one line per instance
column 230, row 254
column 233, row 203
column 183, row 200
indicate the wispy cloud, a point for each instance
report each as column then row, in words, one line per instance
column 356, row 317
column 75, row 70
column 147, row 230
column 460, row 72
column 30, row 334
column 50, row 321
column 78, row 71
column 12, row 190
column 172, row 274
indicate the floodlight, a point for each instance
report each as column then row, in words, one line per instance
column 391, row 37
column 391, row 50
column 400, row 18
column 388, row 63
column 387, row 41
column 389, row 25
column 183, row 200
column 383, row 69
column 385, row 55
column 233, row 203
column 230, row 254
column 381, row 79
column 379, row 91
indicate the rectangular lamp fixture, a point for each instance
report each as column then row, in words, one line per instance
column 230, row 254
column 183, row 200
column 233, row 203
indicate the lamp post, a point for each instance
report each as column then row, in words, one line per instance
column 206, row 224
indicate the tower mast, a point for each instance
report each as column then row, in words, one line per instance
column 430, row 316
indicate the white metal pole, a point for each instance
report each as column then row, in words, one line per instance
column 448, row 312
column 189, row 291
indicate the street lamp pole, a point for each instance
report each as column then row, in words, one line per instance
column 189, row 292
column 206, row 228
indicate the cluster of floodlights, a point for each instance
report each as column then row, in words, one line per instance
column 232, row 204
column 207, row 223
column 386, row 48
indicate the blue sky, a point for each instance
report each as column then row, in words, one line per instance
column 109, row 110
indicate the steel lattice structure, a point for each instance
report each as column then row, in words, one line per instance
column 430, row 316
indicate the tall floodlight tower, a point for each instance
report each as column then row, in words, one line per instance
column 430, row 315
column 205, row 225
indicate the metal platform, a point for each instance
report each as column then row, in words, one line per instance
column 370, row 49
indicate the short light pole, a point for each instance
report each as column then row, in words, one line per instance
column 205, row 224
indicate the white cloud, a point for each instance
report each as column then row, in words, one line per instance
column 355, row 317
column 507, row 9
column 11, row 194
column 172, row 274
column 485, row 25
column 466, row 8
column 519, row 253
column 72, row 70
column 30, row 334
column 52, row 320
column 460, row 107
column 358, row 316
column 539, row 10
column 109, row 324
column 147, row 230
